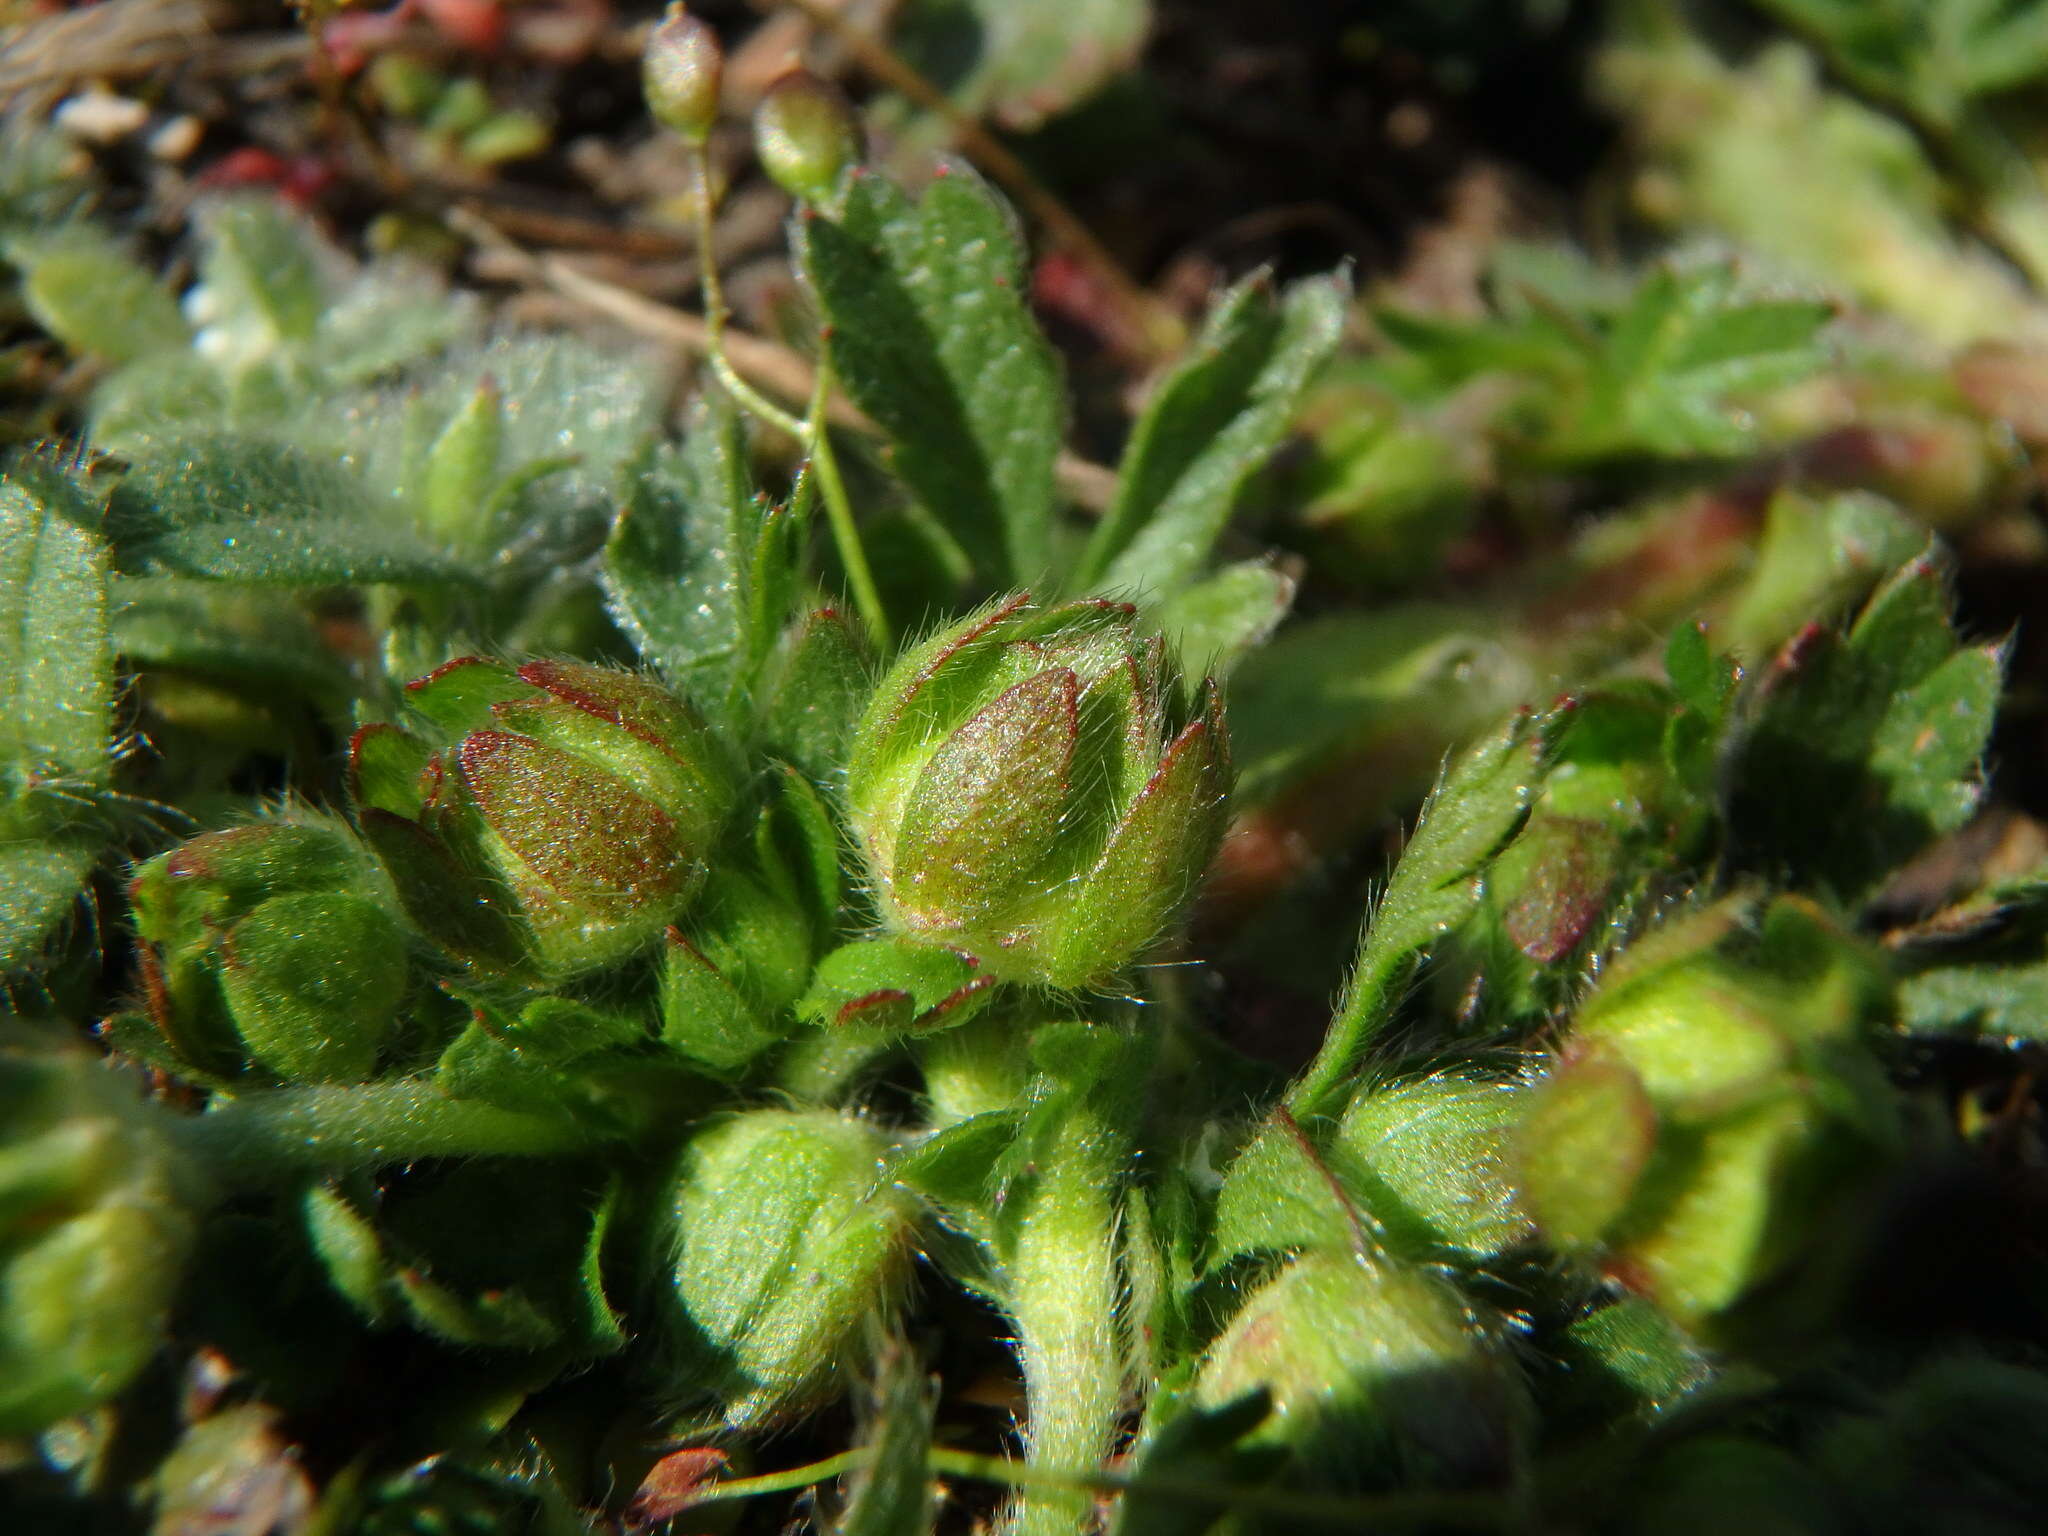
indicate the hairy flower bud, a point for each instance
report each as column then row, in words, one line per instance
column 806, row 135
column 1029, row 787
column 552, row 818
column 94, row 1229
column 786, row 1244
column 1374, row 1370
column 1717, row 1095
column 275, row 941
column 680, row 74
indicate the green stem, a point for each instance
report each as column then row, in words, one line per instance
column 702, row 207
column 839, row 513
column 812, row 431
column 1061, row 1292
column 273, row 1137
column 786, row 1481
column 1476, row 1511
column 1368, row 1007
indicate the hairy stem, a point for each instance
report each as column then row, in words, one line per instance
column 702, row 208
column 270, row 1138
column 839, row 514
column 1062, row 1294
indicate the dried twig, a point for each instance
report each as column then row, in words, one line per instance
column 116, row 40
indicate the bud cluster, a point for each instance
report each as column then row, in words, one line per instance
column 1030, row 786
column 1718, row 1081
column 548, row 819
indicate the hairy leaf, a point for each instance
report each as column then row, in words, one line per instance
column 56, row 676
column 930, row 336
column 1480, row 803
column 1855, row 749
column 1210, row 424
column 241, row 509
column 96, row 299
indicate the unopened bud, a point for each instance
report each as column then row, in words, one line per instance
column 274, row 942
column 806, row 136
column 788, row 1243
column 680, row 74
column 1033, row 787
column 1718, row 1094
column 551, row 818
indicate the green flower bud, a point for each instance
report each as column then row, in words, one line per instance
column 274, row 942
column 1431, row 1159
column 1374, row 1371
column 1717, row 1095
column 680, row 74
column 806, row 135
column 95, row 1224
column 550, row 819
column 787, row 1245
column 1028, row 787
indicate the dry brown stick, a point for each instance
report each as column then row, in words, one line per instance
column 769, row 364
column 1156, row 326
column 118, row 40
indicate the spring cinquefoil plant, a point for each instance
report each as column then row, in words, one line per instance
column 600, row 940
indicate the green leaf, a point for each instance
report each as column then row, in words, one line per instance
column 261, row 642
column 1702, row 680
column 1480, row 804
column 56, row 674
column 1430, row 1160
column 706, row 1014
column 261, row 267
column 1856, row 750
column 1279, row 1196
column 241, row 509
column 1665, row 376
column 2007, row 1002
column 813, row 693
column 393, row 314
column 675, row 568
column 891, row 985
column 1020, row 62
column 1640, row 1347
column 1210, row 424
column 42, row 881
column 1686, row 348
column 1817, row 557
column 930, row 336
column 1215, row 622
column 959, row 1170
column 91, row 295
column 552, row 1058
column 56, row 708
